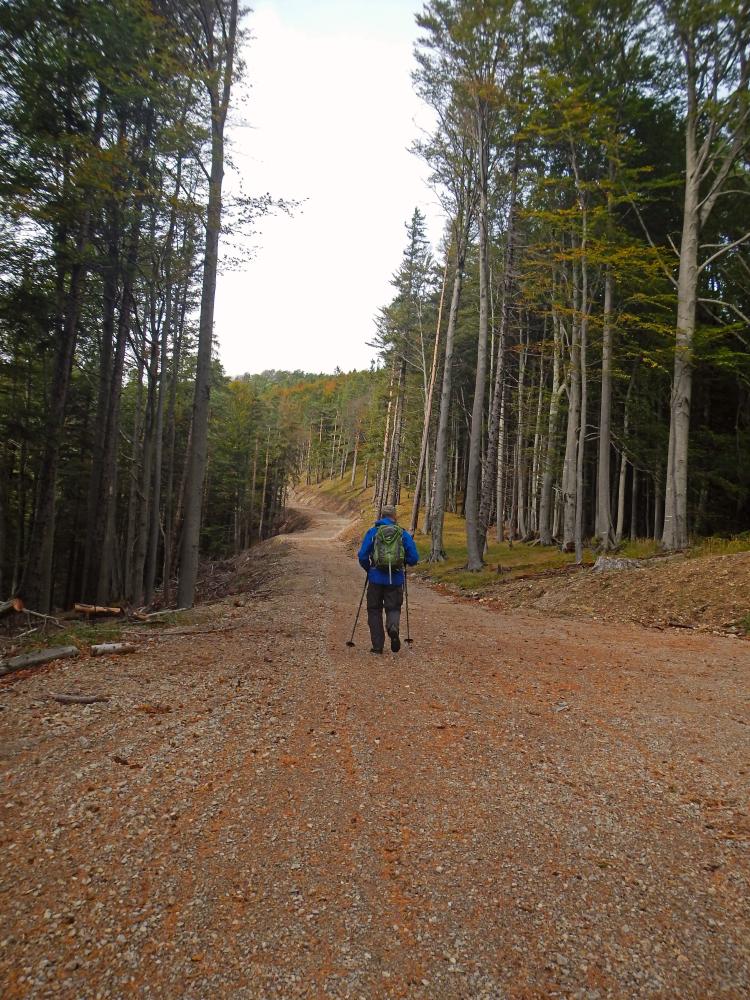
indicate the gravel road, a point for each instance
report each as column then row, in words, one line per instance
column 514, row 807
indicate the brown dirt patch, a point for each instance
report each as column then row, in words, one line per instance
column 517, row 806
column 709, row 592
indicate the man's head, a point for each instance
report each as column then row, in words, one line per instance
column 389, row 512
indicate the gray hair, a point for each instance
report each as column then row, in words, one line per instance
column 389, row 511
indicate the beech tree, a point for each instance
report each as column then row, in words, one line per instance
column 713, row 41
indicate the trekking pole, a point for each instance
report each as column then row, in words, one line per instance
column 351, row 640
column 409, row 639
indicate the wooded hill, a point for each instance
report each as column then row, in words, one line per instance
column 571, row 362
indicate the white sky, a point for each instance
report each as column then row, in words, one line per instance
column 326, row 113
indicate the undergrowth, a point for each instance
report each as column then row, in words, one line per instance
column 717, row 546
column 84, row 633
column 504, row 562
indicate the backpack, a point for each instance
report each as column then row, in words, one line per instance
column 388, row 548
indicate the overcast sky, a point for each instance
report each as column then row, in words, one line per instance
column 326, row 114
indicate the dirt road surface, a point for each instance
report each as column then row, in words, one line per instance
column 514, row 807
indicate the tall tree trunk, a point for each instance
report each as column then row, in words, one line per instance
column 489, row 483
column 537, row 452
column 264, row 494
column 94, row 522
column 500, row 475
column 603, row 500
column 437, row 552
column 634, row 505
column 675, row 534
column 520, row 462
column 546, row 500
column 657, row 504
column 424, row 446
column 474, row 537
column 393, row 489
column 715, row 49
column 354, row 458
column 107, row 505
column 624, row 459
column 603, row 525
column 333, row 445
column 382, row 477
column 198, row 452
column 135, row 475
column 170, row 522
column 580, row 456
column 155, row 527
column 569, row 479
column 145, row 495
column 253, row 484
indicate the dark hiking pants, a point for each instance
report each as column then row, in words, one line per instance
column 380, row 596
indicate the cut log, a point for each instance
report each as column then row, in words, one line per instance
column 95, row 609
column 105, row 648
column 36, row 659
column 78, row 699
column 13, row 604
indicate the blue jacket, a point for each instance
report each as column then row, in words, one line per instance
column 381, row 575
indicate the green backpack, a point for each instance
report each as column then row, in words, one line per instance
column 388, row 548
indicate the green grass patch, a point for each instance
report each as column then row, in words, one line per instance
column 715, row 545
column 84, row 633
column 640, row 548
column 502, row 561
column 81, row 634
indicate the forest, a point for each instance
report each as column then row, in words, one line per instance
column 570, row 365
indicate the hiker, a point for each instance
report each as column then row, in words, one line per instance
column 385, row 550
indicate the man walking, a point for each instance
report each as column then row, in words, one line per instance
column 386, row 549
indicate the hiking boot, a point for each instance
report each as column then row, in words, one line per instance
column 395, row 641
column 373, row 650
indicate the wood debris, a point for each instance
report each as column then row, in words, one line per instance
column 78, row 699
column 36, row 659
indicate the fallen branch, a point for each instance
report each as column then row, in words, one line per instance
column 45, row 618
column 96, row 609
column 36, row 659
column 105, row 648
column 78, row 699
column 143, row 617
column 29, row 631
